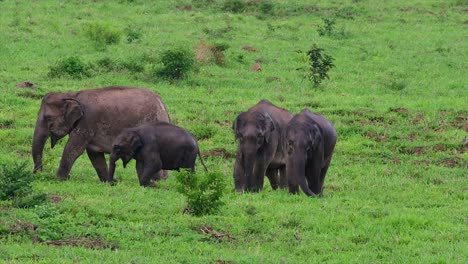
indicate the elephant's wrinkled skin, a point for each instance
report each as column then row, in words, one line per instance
column 310, row 140
column 154, row 147
column 92, row 119
column 260, row 152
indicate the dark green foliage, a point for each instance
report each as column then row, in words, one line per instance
column 29, row 201
column 328, row 27
column 177, row 63
column 70, row 67
column 102, row 34
column 201, row 132
column 203, row 194
column 320, row 64
column 133, row 34
column 234, row 6
column 15, row 180
column 6, row 123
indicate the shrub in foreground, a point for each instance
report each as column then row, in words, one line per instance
column 203, row 192
column 176, row 64
column 15, row 180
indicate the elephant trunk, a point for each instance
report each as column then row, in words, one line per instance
column 249, row 161
column 298, row 171
column 41, row 133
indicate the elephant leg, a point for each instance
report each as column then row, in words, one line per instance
column 259, row 175
column 283, row 180
column 75, row 146
column 239, row 174
column 161, row 175
column 149, row 170
column 323, row 172
column 99, row 163
column 273, row 176
column 140, row 167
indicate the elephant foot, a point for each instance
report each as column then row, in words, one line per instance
column 113, row 182
column 150, row 184
column 63, row 178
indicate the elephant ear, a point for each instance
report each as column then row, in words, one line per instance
column 315, row 137
column 269, row 127
column 73, row 112
column 237, row 124
column 135, row 141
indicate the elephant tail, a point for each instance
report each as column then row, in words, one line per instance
column 201, row 160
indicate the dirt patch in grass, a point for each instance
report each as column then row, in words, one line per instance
column 219, row 152
column 399, row 110
column 461, row 121
column 439, row 147
column 250, row 49
column 418, row 119
column 421, row 162
column 83, row 242
column 26, row 84
column 20, row 227
column 55, row 199
column 376, row 136
column 218, row 236
column 450, row 162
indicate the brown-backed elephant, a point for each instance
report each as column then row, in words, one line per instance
column 154, row 147
column 92, row 119
column 260, row 152
column 310, row 140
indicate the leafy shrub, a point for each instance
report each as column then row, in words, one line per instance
column 203, row 195
column 102, row 34
column 133, row 34
column 328, row 29
column 71, row 66
column 177, row 63
column 15, row 180
column 320, row 64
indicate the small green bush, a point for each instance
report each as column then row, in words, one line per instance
column 177, row 63
column 102, row 34
column 320, row 64
column 133, row 34
column 15, row 180
column 203, row 194
column 71, row 66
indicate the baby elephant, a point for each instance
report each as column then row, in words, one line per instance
column 155, row 147
column 310, row 140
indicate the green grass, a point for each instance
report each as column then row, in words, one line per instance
column 397, row 188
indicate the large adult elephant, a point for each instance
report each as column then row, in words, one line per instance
column 92, row 119
column 310, row 140
column 260, row 152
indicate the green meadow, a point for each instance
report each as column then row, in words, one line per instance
column 397, row 187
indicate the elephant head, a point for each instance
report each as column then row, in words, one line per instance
column 304, row 158
column 124, row 147
column 253, row 132
column 57, row 117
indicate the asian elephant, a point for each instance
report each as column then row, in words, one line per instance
column 154, row 147
column 310, row 140
column 92, row 119
column 260, row 152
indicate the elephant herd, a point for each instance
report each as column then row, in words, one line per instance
column 133, row 123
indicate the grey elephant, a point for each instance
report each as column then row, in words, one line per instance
column 154, row 147
column 260, row 152
column 92, row 119
column 310, row 140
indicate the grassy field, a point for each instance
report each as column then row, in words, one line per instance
column 396, row 191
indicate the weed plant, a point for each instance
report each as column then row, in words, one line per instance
column 203, row 192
